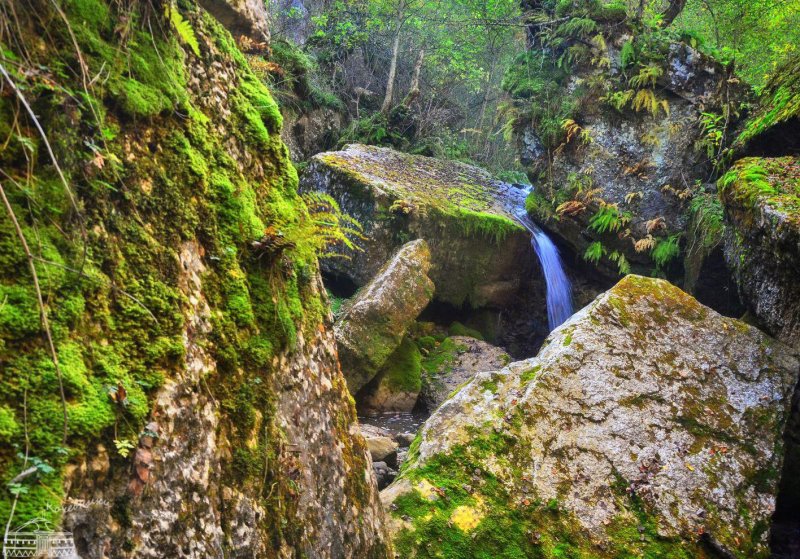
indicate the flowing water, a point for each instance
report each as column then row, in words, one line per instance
column 559, row 289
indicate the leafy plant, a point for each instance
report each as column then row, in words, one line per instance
column 124, row 446
column 623, row 266
column 609, row 219
column 182, row 27
column 594, row 252
column 665, row 250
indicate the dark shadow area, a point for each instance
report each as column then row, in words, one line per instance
column 716, row 288
column 340, row 286
column 785, row 530
column 782, row 139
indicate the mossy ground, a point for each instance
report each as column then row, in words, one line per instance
column 150, row 171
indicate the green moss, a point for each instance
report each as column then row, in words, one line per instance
column 168, row 182
column 458, row 329
column 771, row 182
column 403, row 372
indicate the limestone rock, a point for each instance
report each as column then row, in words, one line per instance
column 372, row 324
column 479, row 255
column 455, row 361
column 646, row 424
column 762, row 245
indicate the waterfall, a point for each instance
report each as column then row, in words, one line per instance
column 559, row 290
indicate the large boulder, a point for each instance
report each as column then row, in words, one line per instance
column 372, row 325
column 479, row 255
column 761, row 197
column 647, row 426
column 452, row 363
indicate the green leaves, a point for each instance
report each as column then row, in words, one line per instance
column 608, row 219
column 182, row 27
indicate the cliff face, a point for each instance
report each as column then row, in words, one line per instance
column 612, row 121
column 203, row 413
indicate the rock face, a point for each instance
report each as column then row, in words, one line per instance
column 628, row 147
column 207, row 415
column 479, row 255
column 454, row 362
column 372, row 325
column 761, row 197
column 241, row 17
column 648, row 425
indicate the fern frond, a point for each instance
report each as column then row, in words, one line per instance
column 182, row 27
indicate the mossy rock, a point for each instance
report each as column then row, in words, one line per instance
column 761, row 197
column 480, row 254
column 647, row 426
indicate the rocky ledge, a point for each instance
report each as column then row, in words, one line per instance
column 648, row 425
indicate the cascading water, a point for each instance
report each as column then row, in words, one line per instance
column 559, row 289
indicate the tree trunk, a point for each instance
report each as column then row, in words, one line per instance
column 387, row 100
column 673, row 10
column 413, row 91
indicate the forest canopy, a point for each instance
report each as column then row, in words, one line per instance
column 428, row 77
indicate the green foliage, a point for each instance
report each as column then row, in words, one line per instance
column 780, row 100
column 623, row 265
column 594, row 252
column 708, row 219
column 608, row 219
column 182, row 27
column 665, row 250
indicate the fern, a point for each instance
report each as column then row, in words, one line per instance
column 665, row 250
column 608, row 219
column 627, row 55
column 623, row 266
column 647, row 76
column 182, row 27
column 577, row 28
column 594, row 252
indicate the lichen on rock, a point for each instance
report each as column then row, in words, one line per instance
column 371, row 326
column 648, row 425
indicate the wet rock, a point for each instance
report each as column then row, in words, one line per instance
column 382, row 447
column 646, row 425
column 455, row 361
column 371, row 326
column 762, row 245
column 479, row 255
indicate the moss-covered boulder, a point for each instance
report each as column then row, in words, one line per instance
column 454, row 361
column 397, row 385
column 372, row 324
column 647, row 426
column 479, row 254
column 761, row 197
